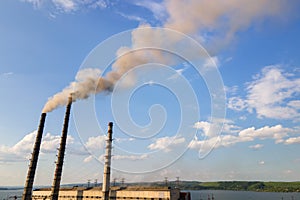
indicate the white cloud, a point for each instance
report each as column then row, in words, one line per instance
column 158, row 9
column 211, row 62
column 278, row 133
column 122, row 157
column 205, row 145
column 130, row 157
column 24, row 146
column 271, row 94
column 204, row 126
column 96, row 143
column 233, row 136
column 99, row 4
column 120, row 140
column 261, row 162
column 51, row 142
column 230, row 127
column 132, row 17
column 166, row 143
column 68, row 6
column 256, row 146
column 22, row 149
column 292, row 140
column 65, row 5
column 295, row 104
column 35, row 3
column 231, row 90
column 208, row 130
column 237, row 103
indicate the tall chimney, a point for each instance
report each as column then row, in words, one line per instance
column 61, row 154
column 106, row 173
column 27, row 194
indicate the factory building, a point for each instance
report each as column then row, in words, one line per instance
column 80, row 193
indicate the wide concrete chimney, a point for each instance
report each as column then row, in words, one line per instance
column 61, row 154
column 106, row 173
column 27, row 194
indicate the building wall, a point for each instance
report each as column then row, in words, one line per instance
column 93, row 194
column 63, row 195
column 69, row 195
column 163, row 195
column 41, row 194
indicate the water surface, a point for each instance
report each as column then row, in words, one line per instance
column 242, row 195
column 9, row 194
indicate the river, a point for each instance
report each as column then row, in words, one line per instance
column 242, row 195
column 9, row 194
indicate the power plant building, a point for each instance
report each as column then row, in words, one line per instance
column 80, row 193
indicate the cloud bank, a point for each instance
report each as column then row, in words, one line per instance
column 273, row 93
column 232, row 136
column 22, row 149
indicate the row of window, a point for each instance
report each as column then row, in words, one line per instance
column 36, row 197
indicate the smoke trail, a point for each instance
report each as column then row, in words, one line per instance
column 220, row 19
column 87, row 82
column 217, row 22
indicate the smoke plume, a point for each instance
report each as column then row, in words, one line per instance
column 87, row 82
column 215, row 22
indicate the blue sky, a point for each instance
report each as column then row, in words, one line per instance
column 170, row 130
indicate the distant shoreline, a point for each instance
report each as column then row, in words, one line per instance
column 11, row 188
column 256, row 186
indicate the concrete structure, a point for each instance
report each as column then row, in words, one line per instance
column 79, row 193
column 61, row 153
column 34, row 159
column 107, row 162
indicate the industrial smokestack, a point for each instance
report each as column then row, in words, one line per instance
column 61, row 154
column 34, row 159
column 106, row 173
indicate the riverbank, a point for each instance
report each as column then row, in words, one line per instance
column 257, row 186
column 11, row 188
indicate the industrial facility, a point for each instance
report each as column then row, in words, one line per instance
column 78, row 193
column 105, row 192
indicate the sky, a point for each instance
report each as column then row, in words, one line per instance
column 200, row 90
